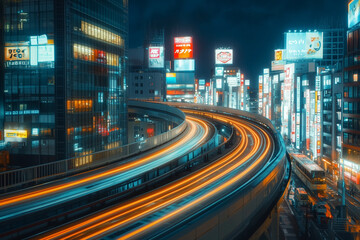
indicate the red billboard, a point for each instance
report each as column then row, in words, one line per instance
column 183, row 47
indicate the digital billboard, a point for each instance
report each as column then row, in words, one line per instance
column 156, row 57
column 17, row 53
column 233, row 82
column 219, row 71
column 15, row 135
column 224, row 56
column 353, row 13
column 279, row 54
column 170, row 78
column 183, row 48
column 303, row 45
column 46, row 53
column 219, row 83
column 184, row 65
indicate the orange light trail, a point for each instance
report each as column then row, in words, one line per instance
column 175, row 188
column 123, row 168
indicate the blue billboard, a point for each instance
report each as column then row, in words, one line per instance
column 304, row 45
column 353, row 13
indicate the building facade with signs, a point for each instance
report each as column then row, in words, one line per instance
column 351, row 98
column 64, row 78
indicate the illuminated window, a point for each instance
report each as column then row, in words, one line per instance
column 93, row 55
column 74, row 106
column 101, row 34
column 355, row 77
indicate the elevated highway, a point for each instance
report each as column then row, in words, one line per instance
column 40, row 207
column 234, row 195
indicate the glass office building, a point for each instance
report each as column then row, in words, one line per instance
column 64, row 77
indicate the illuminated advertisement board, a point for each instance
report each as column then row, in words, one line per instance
column 15, row 135
column 184, row 65
column 219, row 83
column 170, row 78
column 46, row 53
column 219, row 71
column 307, row 45
column 233, row 82
column 260, row 94
column 201, row 84
column 183, row 48
column 279, row 54
column 17, row 53
column 287, row 98
column 224, row 56
column 307, row 107
column 156, row 57
column 353, row 13
column 277, row 65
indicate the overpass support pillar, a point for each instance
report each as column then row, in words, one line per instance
column 270, row 228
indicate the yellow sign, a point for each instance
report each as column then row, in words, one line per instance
column 278, row 55
column 16, row 53
column 171, row 75
column 15, row 133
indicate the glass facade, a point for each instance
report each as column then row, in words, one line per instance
column 351, row 107
column 64, row 77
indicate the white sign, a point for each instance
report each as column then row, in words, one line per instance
column 223, row 56
column 156, row 57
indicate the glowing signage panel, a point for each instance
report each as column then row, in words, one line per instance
column 353, row 13
column 15, row 135
column 156, row 57
column 170, row 78
column 16, row 53
column 184, row 65
column 301, row 45
column 279, row 55
column 224, row 56
column 46, row 53
column 219, row 83
column 183, row 48
column 219, row 71
column 233, row 82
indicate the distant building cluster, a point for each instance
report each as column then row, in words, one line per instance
column 311, row 93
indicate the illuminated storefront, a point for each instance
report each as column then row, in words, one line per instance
column 64, row 81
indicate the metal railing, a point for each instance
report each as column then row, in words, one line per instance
column 46, row 172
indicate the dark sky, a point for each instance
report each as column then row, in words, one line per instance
column 252, row 28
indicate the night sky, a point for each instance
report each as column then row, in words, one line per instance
column 252, row 28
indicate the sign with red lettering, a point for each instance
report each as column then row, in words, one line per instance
column 183, row 47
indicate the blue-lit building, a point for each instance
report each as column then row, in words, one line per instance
column 351, row 99
column 64, row 78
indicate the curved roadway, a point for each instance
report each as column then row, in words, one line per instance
column 30, row 201
column 149, row 215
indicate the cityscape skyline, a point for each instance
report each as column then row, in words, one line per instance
column 249, row 23
column 180, row 119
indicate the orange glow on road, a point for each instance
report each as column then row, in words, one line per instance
column 109, row 220
column 125, row 167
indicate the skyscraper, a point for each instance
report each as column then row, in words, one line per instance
column 64, row 78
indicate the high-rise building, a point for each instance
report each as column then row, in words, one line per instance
column 351, row 98
column 64, row 76
column 334, row 47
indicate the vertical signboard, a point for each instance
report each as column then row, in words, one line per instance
column 156, row 57
column 287, row 99
column 353, row 13
column 260, row 94
column 183, row 48
column 307, row 108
